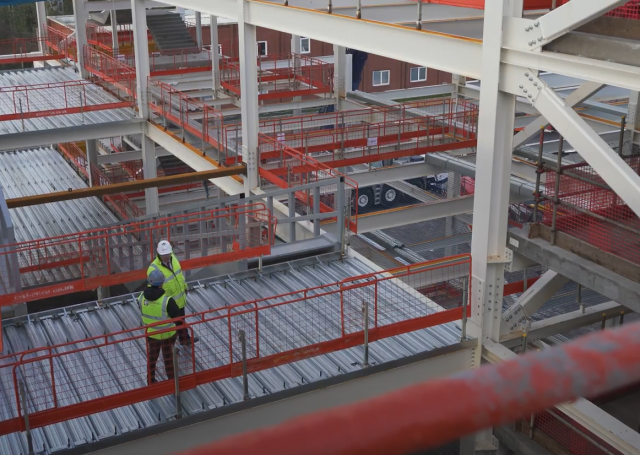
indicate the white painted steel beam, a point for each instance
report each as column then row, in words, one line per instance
column 395, row 173
column 585, row 91
column 199, row 29
column 103, row 5
column 633, row 116
column 16, row 141
column 339, row 73
column 249, row 89
column 115, row 45
column 92, row 158
column 531, row 300
column 613, row 170
column 533, row 33
column 41, row 14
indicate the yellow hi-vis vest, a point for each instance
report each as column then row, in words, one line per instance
column 156, row 311
column 174, row 283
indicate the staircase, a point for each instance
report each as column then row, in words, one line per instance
column 169, row 32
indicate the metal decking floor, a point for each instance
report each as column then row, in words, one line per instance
column 111, row 373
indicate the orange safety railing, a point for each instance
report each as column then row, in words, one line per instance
column 105, row 257
column 188, row 113
column 21, row 50
column 55, row 98
column 61, row 43
column 102, row 36
column 334, row 322
column 288, row 168
column 301, row 76
column 111, row 70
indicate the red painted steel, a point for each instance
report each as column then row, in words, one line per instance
column 396, row 307
column 21, row 50
column 300, row 169
column 590, row 211
column 115, row 73
column 430, row 414
column 302, row 76
column 55, row 98
column 109, row 256
column 60, row 41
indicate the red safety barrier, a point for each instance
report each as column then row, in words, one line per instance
column 113, row 71
column 22, row 50
column 188, row 113
column 105, row 257
column 56, row 98
column 430, row 414
column 589, row 210
column 335, row 320
column 60, row 41
column 302, row 76
column 287, row 168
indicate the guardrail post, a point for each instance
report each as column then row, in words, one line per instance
column 176, row 378
column 340, row 206
column 579, row 298
column 292, row 215
column 419, row 20
column 23, row 399
column 245, row 378
column 465, row 301
column 538, row 176
column 556, row 199
column 365, row 315
column 623, row 122
column 316, row 211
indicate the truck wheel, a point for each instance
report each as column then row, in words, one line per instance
column 365, row 198
column 390, row 195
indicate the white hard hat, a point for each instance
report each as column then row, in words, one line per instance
column 164, row 247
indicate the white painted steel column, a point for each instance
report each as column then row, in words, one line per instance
column 491, row 204
column 150, row 171
column 141, row 48
column 633, row 118
column 80, row 19
column 199, row 28
column 115, row 45
column 41, row 13
column 215, row 57
column 339, row 74
column 249, row 93
column 457, row 81
column 296, row 50
column 92, row 158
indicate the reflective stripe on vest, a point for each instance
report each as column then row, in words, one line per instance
column 156, row 311
column 174, row 283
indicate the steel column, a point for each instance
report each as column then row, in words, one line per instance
column 215, row 56
column 92, row 158
column 41, row 14
column 152, row 203
column 493, row 174
column 339, row 74
column 80, row 19
column 115, row 45
column 199, row 29
column 296, row 50
column 249, row 88
column 633, row 117
column 141, row 48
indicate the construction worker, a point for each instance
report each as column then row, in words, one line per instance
column 157, row 306
column 174, row 283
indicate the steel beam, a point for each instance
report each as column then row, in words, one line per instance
column 613, row 170
column 585, row 91
column 597, row 47
column 41, row 15
column 80, row 17
column 520, row 313
column 115, row 45
column 18, row 141
column 580, row 270
column 531, row 34
column 394, row 173
column 564, row 323
column 215, row 66
column 124, row 187
column 92, row 158
column 104, row 5
column 633, row 116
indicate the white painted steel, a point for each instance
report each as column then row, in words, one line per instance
column 150, row 170
column 80, row 20
column 215, row 67
column 140, row 40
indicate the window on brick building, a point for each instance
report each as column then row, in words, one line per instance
column 418, row 74
column 381, row 77
column 305, row 45
column 262, row 48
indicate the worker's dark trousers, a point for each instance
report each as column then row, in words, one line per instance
column 183, row 334
column 153, row 349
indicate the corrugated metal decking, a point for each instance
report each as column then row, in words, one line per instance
column 90, row 320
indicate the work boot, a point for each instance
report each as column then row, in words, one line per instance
column 195, row 339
